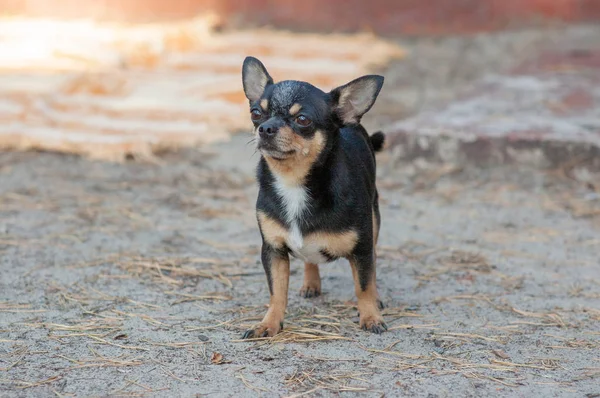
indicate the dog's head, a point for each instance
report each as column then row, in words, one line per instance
column 294, row 120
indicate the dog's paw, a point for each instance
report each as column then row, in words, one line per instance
column 310, row 290
column 373, row 324
column 263, row 330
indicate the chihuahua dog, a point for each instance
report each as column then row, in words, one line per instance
column 317, row 201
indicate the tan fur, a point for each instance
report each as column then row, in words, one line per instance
column 375, row 238
column 367, row 299
column 348, row 101
column 295, row 168
column 341, row 108
column 274, row 233
column 264, row 104
column 312, row 278
column 294, row 109
column 273, row 319
column 338, row 244
column 375, row 229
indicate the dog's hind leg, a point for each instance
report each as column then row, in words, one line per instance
column 376, row 227
column 312, row 281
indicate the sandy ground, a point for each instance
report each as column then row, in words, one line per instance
column 136, row 279
column 139, row 279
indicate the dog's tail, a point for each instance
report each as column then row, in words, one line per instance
column 377, row 140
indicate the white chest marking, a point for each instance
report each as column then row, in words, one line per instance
column 295, row 202
column 294, row 199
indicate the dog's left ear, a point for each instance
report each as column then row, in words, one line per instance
column 351, row 101
column 255, row 78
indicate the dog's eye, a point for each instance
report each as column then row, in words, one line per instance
column 256, row 114
column 303, row 121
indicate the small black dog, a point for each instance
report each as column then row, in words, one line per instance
column 318, row 200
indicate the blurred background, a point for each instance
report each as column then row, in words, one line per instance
column 110, row 79
column 129, row 249
column 387, row 17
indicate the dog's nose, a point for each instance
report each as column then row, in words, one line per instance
column 266, row 131
column 269, row 128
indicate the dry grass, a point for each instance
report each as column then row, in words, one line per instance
column 103, row 325
column 468, row 337
column 457, row 261
column 100, row 361
column 320, row 324
column 185, row 298
column 335, row 382
column 467, row 297
column 573, row 343
column 546, row 319
column 22, row 384
column 173, row 271
column 17, row 308
column 15, row 358
column 248, row 385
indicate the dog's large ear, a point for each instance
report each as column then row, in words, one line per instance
column 351, row 101
column 255, row 78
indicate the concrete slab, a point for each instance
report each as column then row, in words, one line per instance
column 544, row 112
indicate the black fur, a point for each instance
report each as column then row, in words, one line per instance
column 377, row 140
column 341, row 185
column 341, row 182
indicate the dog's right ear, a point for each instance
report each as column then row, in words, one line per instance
column 255, row 78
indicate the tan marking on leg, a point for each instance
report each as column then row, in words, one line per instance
column 272, row 322
column 368, row 307
column 295, row 168
column 274, row 233
column 375, row 229
column 264, row 104
column 294, row 109
column 375, row 236
column 338, row 244
column 312, row 281
column 380, row 303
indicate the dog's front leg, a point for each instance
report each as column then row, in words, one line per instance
column 277, row 269
column 363, row 271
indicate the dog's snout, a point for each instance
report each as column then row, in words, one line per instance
column 268, row 128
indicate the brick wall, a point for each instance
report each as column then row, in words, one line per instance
column 381, row 16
